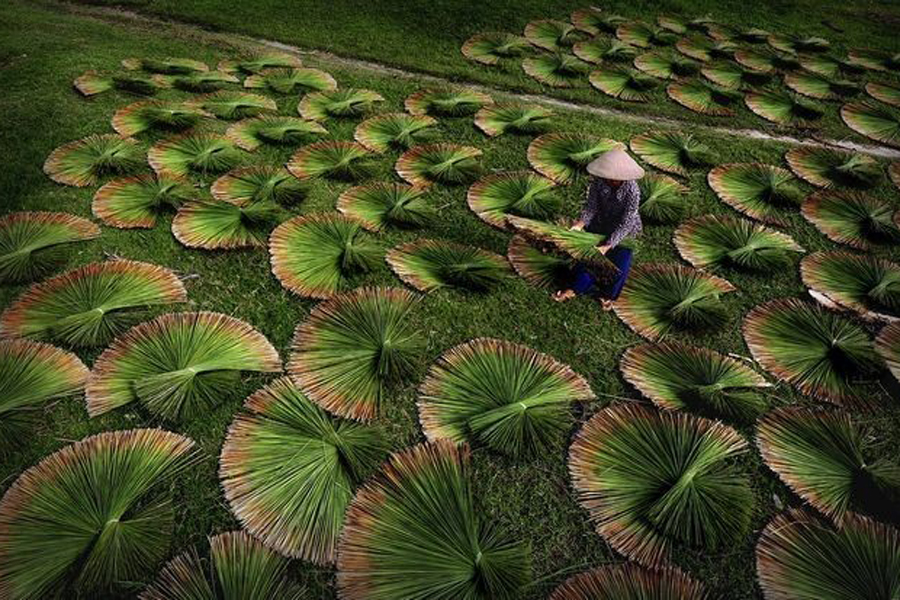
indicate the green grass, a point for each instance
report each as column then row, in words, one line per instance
column 425, row 36
column 43, row 50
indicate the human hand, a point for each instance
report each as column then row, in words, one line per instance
column 578, row 226
column 603, row 249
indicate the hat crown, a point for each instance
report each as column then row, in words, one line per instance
column 615, row 164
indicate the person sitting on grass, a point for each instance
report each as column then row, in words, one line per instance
column 611, row 208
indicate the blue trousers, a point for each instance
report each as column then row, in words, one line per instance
column 585, row 283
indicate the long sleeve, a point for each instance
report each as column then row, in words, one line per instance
column 591, row 204
column 629, row 223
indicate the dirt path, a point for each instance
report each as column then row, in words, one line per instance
column 114, row 15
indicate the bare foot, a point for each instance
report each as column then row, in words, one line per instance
column 563, row 295
column 606, row 304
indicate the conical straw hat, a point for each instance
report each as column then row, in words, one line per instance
column 615, row 164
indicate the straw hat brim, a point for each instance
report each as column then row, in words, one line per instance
column 615, row 164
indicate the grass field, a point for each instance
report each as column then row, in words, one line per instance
column 43, row 48
column 426, row 36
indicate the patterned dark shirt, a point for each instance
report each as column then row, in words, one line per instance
column 614, row 213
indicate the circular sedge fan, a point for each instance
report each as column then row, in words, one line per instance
column 493, row 47
column 450, row 164
column 260, row 62
column 783, row 108
column 201, row 154
column 826, row 167
column 318, row 255
column 722, row 33
column 89, row 305
column 624, row 84
column 794, row 44
column 297, row 509
column 643, row 35
column 638, row 472
column 91, row 83
column 377, row 205
column 594, row 21
column 446, row 103
column 760, row 191
column 629, row 581
column 136, row 202
column 234, row 105
column 32, row 373
column 672, row 24
column 732, row 77
column 666, row 65
column 875, row 121
column 217, row 225
column 107, row 500
column 260, row 183
column 395, row 131
column 539, row 266
column 827, row 460
column 853, row 218
column 662, row 198
column 510, row 398
column 889, row 94
column 703, row 98
column 767, row 60
column 600, row 50
column 552, row 35
column 428, row 265
column 822, row 88
column 556, row 70
column 705, row 50
column 677, row 376
column 715, row 242
column 570, row 245
column 861, row 282
column 150, row 115
column 800, row 557
column 414, row 531
column 831, row 67
column 34, row 244
column 250, row 134
column 338, row 104
column 179, row 365
column 820, row 352
column 354, row 349
column 563, row 156
column 239, row 566
column 875, row 60
column 292, row 81
column 521, row 193
column 753, row 35
column 87, row 161
column 660, row 299
column 346, row 161
column 672, row 151
column 512, row 118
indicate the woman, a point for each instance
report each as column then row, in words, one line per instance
column 611, row 208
